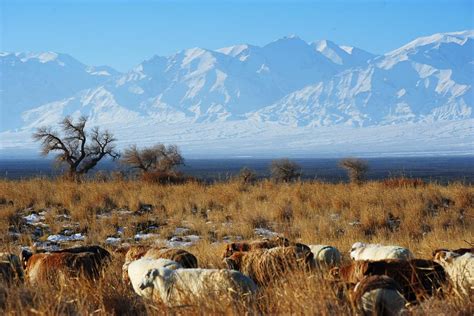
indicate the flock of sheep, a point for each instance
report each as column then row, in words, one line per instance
column 381, row 280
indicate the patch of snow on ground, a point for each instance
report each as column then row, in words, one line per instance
column 141, row 236
column 265, row 233
column 15, row 235
column 33, row 218
column 64, row 238
column 181, row 230
column 231, row 238
column 184, row 241
column 113, row 240
column 46, row 245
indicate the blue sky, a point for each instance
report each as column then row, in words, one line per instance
column 124, row 33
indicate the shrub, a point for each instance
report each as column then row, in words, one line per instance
column 285, row 170
column 247, row 175
column 356, row 169
column 156, row 158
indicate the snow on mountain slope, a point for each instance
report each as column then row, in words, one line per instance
column 98, row 104
column 29, row 80
column 227, row 83
column 342, row 55
column 197, row 84
column 441, row 51
column 429, row 79
column 282, row 93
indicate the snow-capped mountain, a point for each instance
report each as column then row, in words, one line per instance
column 429, row 79
column 201, row 85
column 286, row 84
column 29, row 80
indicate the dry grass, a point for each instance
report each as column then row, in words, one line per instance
column 422, row 217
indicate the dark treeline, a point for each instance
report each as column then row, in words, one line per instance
column 440, row 169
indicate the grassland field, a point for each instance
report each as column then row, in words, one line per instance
column 421, row 217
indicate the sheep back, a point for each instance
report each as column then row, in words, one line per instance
column 378, row 295
column 264, row 266
column 326, row 256
column 183, row 286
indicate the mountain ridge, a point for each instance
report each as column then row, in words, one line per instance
column 287, row 82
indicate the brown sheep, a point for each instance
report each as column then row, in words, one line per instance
column 100, row 255
column 183, row 257
column 247, row 246
column 264, row 266
column 285, row 242
column 418, row 278
column 54, row 267
column 267, row 243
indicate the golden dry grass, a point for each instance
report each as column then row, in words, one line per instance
column 424, row 217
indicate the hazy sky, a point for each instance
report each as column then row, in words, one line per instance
column 124, row 33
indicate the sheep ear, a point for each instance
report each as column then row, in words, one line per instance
column 149, row 277
column 444, row 256
column 152, row 273
column 439, row 255
column 437, row 251
column 156, row 273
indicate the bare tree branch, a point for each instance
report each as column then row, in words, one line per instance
column 285, row 170
column 356, row 169
column 155, row 158
column 72, row 145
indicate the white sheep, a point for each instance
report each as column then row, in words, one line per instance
column 459, row 268
column 178, row 287
column 378, row 295
column 374, row 252
column 139, row 268
column 325, row 256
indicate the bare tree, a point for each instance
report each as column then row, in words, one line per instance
column 247, row 175
column 285, row 170
column 356, row 169
column 80, row 150
column 155, row 158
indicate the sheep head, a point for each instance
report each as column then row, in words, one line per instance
column 149, row 278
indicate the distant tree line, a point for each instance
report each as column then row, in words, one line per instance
column 81, row 150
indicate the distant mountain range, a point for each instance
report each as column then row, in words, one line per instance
column 287, row 85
